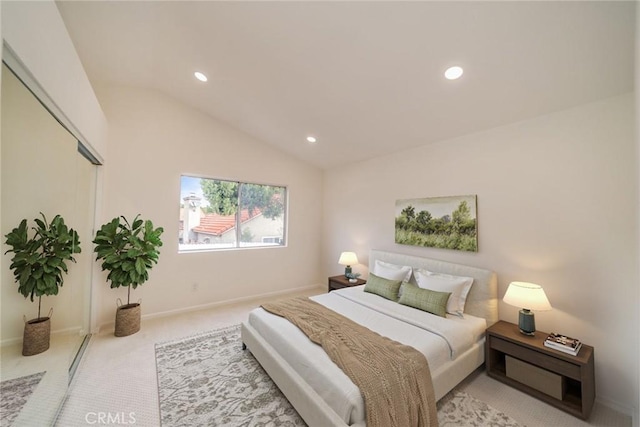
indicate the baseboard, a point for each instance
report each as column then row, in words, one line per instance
column 67, row 331
column 111, row 325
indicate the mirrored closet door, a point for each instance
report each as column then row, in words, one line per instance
column 43, row 170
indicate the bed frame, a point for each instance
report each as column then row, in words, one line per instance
column 481, row 302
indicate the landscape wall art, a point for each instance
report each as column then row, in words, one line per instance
column 438, row 222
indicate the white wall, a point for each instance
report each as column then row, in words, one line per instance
column 38, row 43
column 557, row 205
column 637, row 99
column 152, row 140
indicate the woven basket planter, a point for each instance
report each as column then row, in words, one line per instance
column 36, row 336
column 127, row 319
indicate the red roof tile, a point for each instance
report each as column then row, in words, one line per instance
column 218, row 224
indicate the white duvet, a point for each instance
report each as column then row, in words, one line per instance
column 439, row 339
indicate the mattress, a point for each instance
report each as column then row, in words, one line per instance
column 440, row 340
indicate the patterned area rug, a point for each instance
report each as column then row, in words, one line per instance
column 207, row 380
column 14, row 394
column 458, row 409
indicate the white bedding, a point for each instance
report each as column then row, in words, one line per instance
column 439, row 339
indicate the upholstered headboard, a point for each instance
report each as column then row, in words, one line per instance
column 483, row 296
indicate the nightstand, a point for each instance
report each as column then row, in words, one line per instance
column 339, row 282
column 523, row 362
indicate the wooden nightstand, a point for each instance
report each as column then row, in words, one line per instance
column 339, row 282
column 562, row 380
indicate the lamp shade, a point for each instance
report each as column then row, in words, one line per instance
column 348, row 258
column 527, row 295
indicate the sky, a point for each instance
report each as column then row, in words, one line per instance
column 188, row 185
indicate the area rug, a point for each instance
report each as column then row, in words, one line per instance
column 14, row 394
column 208, row 380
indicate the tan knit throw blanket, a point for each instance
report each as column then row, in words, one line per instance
column 394, row 379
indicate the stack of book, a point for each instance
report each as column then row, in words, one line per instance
column 563, row 343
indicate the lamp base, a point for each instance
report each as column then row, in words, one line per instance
column 526, row 322
column 347, row 270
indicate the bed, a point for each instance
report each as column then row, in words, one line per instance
column 321, row 393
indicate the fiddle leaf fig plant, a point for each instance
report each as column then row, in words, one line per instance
column 39, row 262
column 128, row 251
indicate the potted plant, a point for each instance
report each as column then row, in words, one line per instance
column 39, row 265
column 128, row 251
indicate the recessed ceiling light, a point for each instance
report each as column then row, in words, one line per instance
column 453, row 73
column 312, row 139
column 200, row 76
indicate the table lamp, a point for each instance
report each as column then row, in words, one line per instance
column 531, row 296
column 348, row 259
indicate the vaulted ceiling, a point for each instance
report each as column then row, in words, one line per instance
column 364, row 78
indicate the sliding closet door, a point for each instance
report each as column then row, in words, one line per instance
column 85, row 203
column 42, row 171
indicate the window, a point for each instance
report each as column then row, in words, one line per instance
column 221, row 214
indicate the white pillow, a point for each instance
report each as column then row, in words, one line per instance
column 392, row 271
column 458, row 286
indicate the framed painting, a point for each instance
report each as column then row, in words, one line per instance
column 438, row 222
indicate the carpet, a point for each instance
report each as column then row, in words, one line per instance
column 14, row 394
column 207, row 380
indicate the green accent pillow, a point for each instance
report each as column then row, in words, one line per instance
column 384, row 287
column 433, row 302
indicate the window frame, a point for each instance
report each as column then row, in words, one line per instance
column 238, row 216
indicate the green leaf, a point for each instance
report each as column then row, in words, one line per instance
column 112, row 258
column 50, row 283
column 54, row 261
column 140, row 266
column 137, row 223
column 134, row 253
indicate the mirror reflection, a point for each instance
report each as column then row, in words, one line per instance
column 42, row 172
